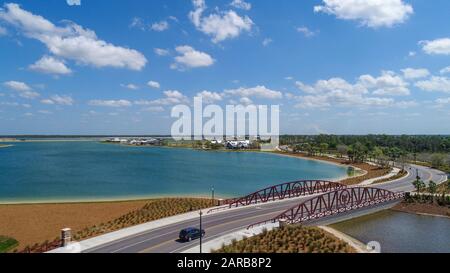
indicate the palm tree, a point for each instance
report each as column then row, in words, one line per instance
column 432, row 188
column 419, row 185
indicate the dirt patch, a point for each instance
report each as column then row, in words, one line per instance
column 432, row 209
column 30, row 224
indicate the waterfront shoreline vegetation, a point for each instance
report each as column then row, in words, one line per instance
column 289, row 239
column 371, row 171
column 7, row 243
column 428, row 150
column 432, row 199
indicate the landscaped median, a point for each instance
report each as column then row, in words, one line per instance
column 289, row 239
column 435, row 200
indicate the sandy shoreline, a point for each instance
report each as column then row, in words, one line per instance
column 5, row 146
column 124, row 199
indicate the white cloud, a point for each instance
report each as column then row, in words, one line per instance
column 50, row 65
column 137, row 22
column 339, row 92
column 412, row 53
column 45, row 112
column 220, row 26
column 60, row 100
column 245, row 101
column 370, row 13
column 110, row 103
column 406, row 104
column 438, row 84
column 442, row 101
column 171, row 97
column 47, row 101
column 12, row 104
column 436, row 47
column 154, row 109
column 161, row 52
column 72, row 41
column 411, row 73
column 22, row 88
column 209, row 97
column 154, row 84
column 306, row 31
column 241, row 4
column 191, row 58
column 267, row 41
column 387, row 84
column 74, row 2
column 259, row 91
column 17, row 86
column 130, row 86
column 160, row 26
column 323, row 86
column 445, row 70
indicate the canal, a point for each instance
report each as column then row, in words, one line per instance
column 399, row 232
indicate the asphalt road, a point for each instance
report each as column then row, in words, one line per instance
column 164, row 239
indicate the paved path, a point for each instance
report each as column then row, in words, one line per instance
column 163, row 239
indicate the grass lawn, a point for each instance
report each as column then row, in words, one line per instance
column 7, row 244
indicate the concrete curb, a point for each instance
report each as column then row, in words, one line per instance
column 357, row 245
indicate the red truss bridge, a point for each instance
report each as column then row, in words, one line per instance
column 284, row 191
column 334, row 203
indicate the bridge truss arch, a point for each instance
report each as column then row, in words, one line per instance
column 286, row 191
column 336, row 202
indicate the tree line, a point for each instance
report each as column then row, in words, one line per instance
column 431, row 150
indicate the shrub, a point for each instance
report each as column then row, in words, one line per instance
column 289, row 239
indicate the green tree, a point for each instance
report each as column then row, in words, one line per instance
column 419, row 185
column 342, row 150
column 323, row 147
column 437, row 160
column 432, row 188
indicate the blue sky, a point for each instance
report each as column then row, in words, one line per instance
column 117, row 67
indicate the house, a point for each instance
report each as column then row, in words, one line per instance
column 217, row 142
column 242, row 144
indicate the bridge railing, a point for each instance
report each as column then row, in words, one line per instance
column 283, row 191
column 335, row 202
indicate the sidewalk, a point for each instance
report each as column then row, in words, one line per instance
column 393, row 173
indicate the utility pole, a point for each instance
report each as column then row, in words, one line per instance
column 201, row 232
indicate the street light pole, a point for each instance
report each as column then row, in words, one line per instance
column 201, row 231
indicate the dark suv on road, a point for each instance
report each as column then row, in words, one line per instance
column 189, row 234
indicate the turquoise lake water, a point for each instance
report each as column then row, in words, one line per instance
column 69, row 171
column 399, row 232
